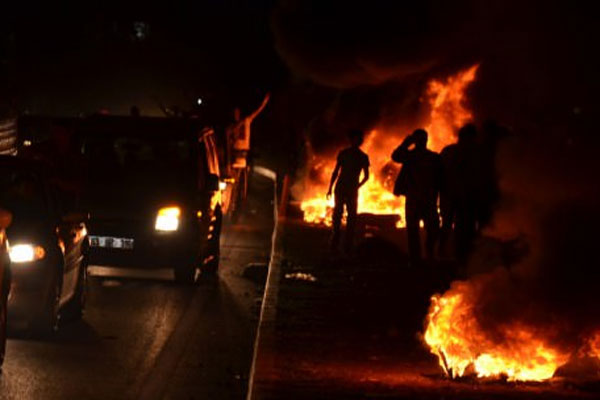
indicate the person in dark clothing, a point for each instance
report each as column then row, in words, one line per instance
column 488, row 190
column 346, row 177
column 458, row 194
column 419, row 182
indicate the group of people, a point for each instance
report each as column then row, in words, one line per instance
column 459, row 183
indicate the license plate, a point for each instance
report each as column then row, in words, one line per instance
column 110, row 242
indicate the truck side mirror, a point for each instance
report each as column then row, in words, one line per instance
column 5, row 219
column 212, row 182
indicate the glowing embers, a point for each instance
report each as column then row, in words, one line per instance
column 517, row 350
column 446, row 100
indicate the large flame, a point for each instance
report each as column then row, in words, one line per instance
column 518, row 350
column 446, row 100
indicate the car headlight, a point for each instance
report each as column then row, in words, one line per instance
column 22, row 253
column 167, row 219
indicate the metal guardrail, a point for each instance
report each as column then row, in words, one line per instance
column 8, row 137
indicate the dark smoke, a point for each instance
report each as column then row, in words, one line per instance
column 550, row 201
column 537, row 58
column 374, row 58
column 348, row 44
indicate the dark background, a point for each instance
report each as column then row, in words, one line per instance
column 69, row 57
column 330, row 64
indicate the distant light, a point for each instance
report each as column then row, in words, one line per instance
column 222, row 185
column 140, row 30
column 199, row 101
column 26, row 143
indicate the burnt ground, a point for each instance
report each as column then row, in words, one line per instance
column 350, row 327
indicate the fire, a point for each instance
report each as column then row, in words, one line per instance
column 592, row 346
column 446, row 100
column 448, row 109
column 517, row 351
column 374, row 197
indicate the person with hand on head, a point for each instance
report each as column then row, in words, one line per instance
column 419, row 181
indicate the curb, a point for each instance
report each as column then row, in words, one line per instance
column 269, row 301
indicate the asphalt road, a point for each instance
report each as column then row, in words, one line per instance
column 144, row 337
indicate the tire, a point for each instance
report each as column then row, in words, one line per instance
column 185, row 271
column 76, row 306
column 3, row 323
column 47, row 321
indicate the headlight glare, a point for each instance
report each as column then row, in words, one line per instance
column 22, row 253
column 167, row 219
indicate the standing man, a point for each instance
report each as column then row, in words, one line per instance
column 419, row 182
column 459, row 191
column 346, row 177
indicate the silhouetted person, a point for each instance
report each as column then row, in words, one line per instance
column 458, row 194
column 488, row 191
column 419, row 182
column 346, row 177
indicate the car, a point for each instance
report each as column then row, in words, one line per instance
column 5, row 220
column 152, row 191
column 47, row 247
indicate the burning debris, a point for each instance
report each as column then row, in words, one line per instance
column 301, row 276
column 518, row 350
column 522, row 349
column 446, row 100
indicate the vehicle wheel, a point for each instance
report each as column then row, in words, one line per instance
column 185, row 271
column 47, row 321
column 3, row 322
column 74, row 309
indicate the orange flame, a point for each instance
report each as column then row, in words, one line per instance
column 516, row 350
column 446, row 100
column 455, row 337
column 592, row 346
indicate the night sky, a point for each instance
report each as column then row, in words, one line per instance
column 352, row 61
column 78, row 57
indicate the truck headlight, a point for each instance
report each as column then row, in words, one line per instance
column 167, row 219
column 22, row 253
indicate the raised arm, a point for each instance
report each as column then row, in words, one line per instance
column 261, row 107
column 401, row 153
column 334, row 176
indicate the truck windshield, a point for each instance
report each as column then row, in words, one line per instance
column 117, row 156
